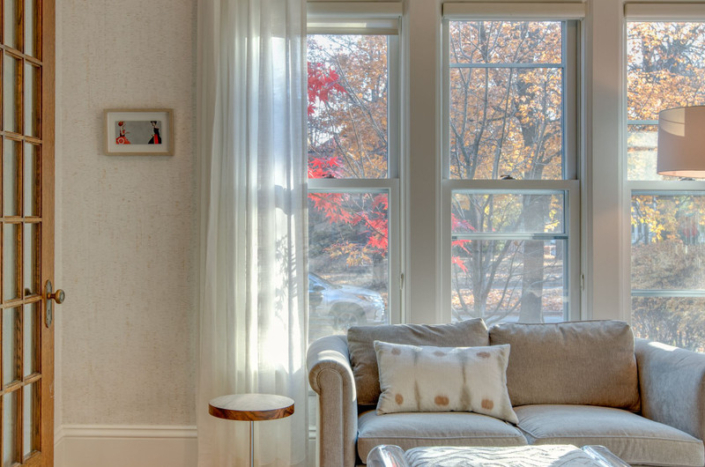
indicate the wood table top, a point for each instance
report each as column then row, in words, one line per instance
column 251, row 407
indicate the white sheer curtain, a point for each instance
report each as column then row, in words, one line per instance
column 251, row 117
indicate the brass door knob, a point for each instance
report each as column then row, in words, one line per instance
column 59, row 296
column 50, row 295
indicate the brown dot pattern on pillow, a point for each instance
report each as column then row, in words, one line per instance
column 472, row 380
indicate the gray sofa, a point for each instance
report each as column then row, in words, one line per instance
column 580, row 383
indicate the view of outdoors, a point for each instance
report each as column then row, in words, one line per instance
column 347, row 139
column 666, row 69
column 509, row 249
column 506, row 120
column 499, row 277
column 506, row 87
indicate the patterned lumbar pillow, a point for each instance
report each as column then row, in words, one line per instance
column 444, row 379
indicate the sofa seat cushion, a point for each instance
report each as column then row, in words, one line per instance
column 633, row 438
column 410, row 430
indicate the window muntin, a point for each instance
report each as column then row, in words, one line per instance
column 353, row 188
column 665, row 69
column 506, row 99
column 514, row 248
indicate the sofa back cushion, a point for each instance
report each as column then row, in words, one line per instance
column 363, row 359
column 587, row 363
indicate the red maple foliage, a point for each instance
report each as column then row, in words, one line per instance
column 321, row 81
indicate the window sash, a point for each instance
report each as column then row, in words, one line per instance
column 571, row 188
column 390, row 185
column 663, row 188
column 569, row 65
column 569, row 184
column 657, row 12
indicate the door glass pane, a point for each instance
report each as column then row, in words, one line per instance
column 31, row 103
column 10, row 259
column 10, row 405
column 31, row 179
column 509, row 280
column 30, row 267
column 11, row 332
column 30, row 435
column 348, row 261
column 11, row 26
column 31, row 319
column 10, row 177
column 10, row 93
column 29, row 19
column 348, row 83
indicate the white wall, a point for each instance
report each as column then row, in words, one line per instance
column 125, row 236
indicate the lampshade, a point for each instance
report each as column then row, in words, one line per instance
column 681, row 142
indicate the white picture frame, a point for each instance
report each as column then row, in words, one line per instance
column 138, row 132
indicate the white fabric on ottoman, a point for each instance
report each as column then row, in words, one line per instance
column 523, row 456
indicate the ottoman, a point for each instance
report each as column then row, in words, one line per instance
column 519, row 456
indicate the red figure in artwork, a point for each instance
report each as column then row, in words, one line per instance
column 122, row 139
column 156, row 139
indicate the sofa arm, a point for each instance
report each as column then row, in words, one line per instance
column 331, row 376
column 672, row 386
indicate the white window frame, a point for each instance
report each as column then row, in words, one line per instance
column 570, row 185
column 376, row 19
column 651, row 12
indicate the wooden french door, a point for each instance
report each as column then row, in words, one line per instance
column 27, row 233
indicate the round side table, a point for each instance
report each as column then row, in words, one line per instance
column 252, row 408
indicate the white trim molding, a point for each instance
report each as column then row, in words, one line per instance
column 121, row 445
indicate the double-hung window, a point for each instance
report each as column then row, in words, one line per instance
column 665, row 69
column 511, row 197
column 353, row 181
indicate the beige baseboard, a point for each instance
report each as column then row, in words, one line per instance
column 133, row 446
column 128, row 445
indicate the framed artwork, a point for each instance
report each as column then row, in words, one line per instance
column 145, row 132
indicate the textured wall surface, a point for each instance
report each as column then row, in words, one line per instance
column 125, row 225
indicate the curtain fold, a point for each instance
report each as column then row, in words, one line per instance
column 252, row 302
